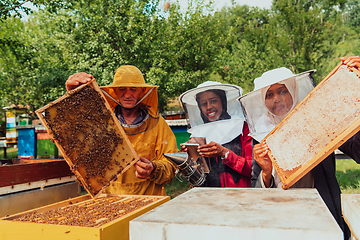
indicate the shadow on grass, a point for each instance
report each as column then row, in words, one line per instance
column 342, row 156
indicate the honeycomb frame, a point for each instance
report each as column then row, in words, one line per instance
column 89, row 136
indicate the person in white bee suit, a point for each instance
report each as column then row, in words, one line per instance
column 277, row 92
column 216, row 115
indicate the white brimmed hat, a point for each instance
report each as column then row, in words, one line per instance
column 222, row 131
column 253, row 105
column 276, row 75
column 189, row 97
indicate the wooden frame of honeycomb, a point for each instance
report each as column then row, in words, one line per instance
column 327, row 117
column 105, row 217
column 89, row 136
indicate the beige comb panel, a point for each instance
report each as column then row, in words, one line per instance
column 89, row 136
column 318, row 125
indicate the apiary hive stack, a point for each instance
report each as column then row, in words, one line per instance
column 323, row 120
column 89, row 137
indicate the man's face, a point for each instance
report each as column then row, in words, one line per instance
column 129, row 96
column 278, row 99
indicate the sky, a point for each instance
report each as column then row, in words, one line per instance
column 221, row 3
column 218, row 3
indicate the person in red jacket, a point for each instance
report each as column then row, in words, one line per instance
column 215, row 114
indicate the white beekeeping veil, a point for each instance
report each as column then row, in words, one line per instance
column 230, row 123
column 259, row 118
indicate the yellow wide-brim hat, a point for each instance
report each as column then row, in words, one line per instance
column 131, row 76
column 128, row 76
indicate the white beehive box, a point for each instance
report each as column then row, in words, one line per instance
column 350, row 204
column 239, row 213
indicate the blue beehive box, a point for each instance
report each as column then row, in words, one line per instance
column 26, row 143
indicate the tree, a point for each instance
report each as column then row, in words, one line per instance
column 175, row 50
column 185, row 50
column 343, row 40
column 99, row 36
column 245, row 54
column 299, row 30
column 14, row 8
column 352, row 13
column 32, row 64
column 175, row 53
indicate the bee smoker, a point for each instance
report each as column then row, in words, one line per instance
column 190, row 169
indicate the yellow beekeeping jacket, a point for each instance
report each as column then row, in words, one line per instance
column 149, row 144
column 150, row 138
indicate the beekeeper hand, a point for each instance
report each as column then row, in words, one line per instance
column 183, row 148
column 77, row 80
column 260, row 154
column 212, row 149
column 353, row 61
column 144, row 167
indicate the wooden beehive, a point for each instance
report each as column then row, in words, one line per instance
column 103, row 218
column 318, row 125
column 89, row 136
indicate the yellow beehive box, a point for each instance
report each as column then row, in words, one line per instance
column 83, row 218
column 327, row 117
column 89, row 137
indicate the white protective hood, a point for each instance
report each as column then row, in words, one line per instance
column 257, row 115
column 221, row 131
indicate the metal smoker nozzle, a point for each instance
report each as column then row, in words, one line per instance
column 177, row 158
column 195, row 175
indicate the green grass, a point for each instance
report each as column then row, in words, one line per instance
column 172, row 189
column 177, row 187
column 348, row 176
column 11, row 153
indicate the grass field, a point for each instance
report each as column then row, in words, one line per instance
column 11, row 153
column 177, row 186
column 347, row 174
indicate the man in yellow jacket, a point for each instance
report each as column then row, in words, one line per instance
column 135, row 104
